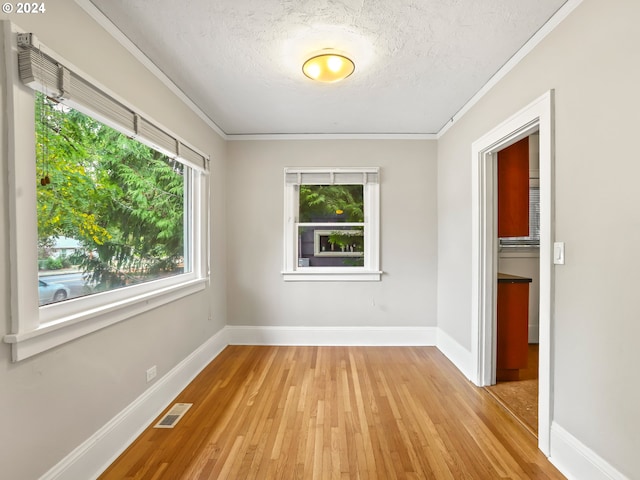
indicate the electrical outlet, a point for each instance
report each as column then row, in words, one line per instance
column 151, row 373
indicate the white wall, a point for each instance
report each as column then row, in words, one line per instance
column 593, row 63
column 53, row 402
column 257, row 294
column 58, row 399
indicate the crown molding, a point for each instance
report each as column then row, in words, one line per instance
column 333, row 136
column 562, row 13
column 95, row 13
column 557, row 18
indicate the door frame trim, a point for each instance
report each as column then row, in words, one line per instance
column 537, row 116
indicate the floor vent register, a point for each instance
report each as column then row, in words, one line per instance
column 173, row 416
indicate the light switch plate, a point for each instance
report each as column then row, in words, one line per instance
column 558, row 253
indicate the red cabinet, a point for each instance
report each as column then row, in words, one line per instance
column 513, row 326
column 513, row 190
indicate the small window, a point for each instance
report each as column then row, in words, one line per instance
column 533, row 239
column 331, row 227
column 332, row 230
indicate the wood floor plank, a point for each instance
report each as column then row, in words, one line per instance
column 335, row 413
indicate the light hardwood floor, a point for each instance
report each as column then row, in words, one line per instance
column 335, row 413
column 520, row 397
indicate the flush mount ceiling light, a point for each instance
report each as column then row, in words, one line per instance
column 328, row 67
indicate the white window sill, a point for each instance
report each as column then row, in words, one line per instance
column 62, row 330
column 318, row 275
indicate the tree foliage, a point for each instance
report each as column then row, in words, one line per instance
column 121, row 199
column 343, row 203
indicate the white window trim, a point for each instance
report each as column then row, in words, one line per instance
column 371, row 269
column 35, row 329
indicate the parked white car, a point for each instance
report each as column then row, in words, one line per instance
column 51, row 292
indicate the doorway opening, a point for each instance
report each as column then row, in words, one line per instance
column 517, row 316
column 536, row 117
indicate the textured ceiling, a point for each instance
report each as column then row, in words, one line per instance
column 417, row 61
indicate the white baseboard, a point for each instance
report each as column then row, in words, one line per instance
column 576, row 461
column 345, row 336
column 456, row 353
column 93, row 456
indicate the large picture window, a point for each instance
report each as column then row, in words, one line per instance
column 332, row 224
column 109, row 210
column 120, row 202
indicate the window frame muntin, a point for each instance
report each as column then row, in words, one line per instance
column 62, row 322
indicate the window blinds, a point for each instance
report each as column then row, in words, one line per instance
column 41, row 72
column 323, row 176
column 534, row 223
